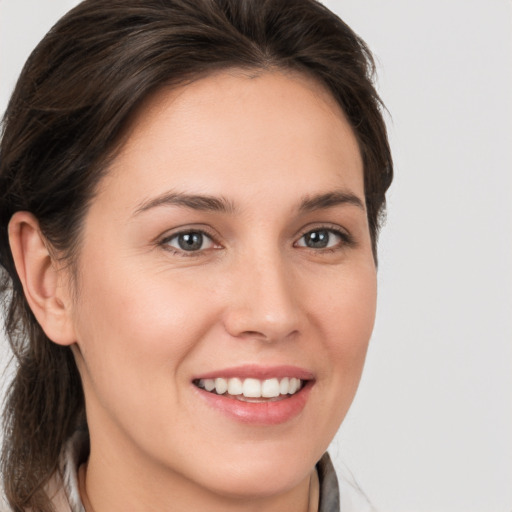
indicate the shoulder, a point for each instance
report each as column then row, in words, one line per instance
column 339, row 491
column 63, row 487
column 54, row 489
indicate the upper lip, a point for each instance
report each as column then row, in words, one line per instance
column 258, row 372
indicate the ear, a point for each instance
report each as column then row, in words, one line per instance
column 46, row 287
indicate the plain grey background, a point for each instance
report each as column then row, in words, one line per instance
column 431, row 427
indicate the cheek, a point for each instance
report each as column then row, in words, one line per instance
column 134, row 328
column 347, row 317
column 354, row 315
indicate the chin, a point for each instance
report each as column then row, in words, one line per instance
column 260, row 472
column 260, row 481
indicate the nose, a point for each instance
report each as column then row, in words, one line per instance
column 263, row 301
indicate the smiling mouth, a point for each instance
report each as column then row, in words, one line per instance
column 252, row 390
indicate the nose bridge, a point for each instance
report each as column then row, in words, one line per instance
column 264, row 304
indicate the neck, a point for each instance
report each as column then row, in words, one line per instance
column 106, row 486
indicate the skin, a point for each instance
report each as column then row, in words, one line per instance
column 148, row 316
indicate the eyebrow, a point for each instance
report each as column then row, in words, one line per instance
column 223, row 205
column 330, row 199
column 192, row 201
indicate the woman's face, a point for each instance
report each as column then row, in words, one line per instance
column 228, row 245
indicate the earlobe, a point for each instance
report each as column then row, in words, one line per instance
column 41, row 278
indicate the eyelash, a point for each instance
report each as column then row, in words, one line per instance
column 181, row 252
column 346, row 240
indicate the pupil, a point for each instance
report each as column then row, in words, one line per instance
column 317, row 239
column 190, row 241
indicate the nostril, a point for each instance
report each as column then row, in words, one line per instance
column 254, row 334
column 268, row 336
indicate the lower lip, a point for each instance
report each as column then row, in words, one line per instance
column 259, row 413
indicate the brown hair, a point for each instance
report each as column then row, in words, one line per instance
column 64, row 121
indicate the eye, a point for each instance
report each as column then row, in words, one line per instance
column 189, row 241
column 322, row 238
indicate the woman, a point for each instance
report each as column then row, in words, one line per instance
column 190, row 201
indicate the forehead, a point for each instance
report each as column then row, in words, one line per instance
column 238, row 129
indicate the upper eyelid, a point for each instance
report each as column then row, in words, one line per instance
column 169, row 234
column 336, row 228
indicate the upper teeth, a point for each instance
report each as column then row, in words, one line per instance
column 252, row 388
